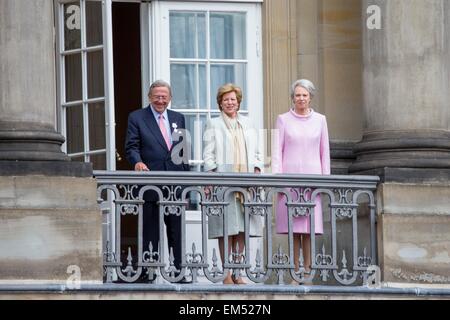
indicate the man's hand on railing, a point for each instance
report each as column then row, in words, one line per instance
column 140, row 166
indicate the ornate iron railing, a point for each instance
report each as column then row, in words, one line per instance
column 345, row 254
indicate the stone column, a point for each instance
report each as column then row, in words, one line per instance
column 50, row 223
column 280, row 63
column 406, row 136
column 27, row 102
column 406, row 87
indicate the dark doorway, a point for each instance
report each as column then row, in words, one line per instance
column 127, row 71
column 127, row 96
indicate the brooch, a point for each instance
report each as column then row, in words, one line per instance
column 174, row 126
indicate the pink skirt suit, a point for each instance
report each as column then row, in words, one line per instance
column 301, row 147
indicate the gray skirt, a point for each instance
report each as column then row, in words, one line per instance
column 234, row 212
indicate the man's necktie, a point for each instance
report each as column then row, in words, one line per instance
column 163, row 129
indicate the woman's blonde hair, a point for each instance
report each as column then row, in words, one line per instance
column 227, row 88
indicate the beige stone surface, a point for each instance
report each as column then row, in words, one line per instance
column 47, row 192
column 308, row 38
column 340, row 59
column 279, row 60
column 414, row 233
column 27, row 89
column 244, row 297
column 280, row 47
column 321, row 41
column 407, row 57
column 396, row 198
column 48, row 224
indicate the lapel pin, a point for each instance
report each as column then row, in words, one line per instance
column 174, row 126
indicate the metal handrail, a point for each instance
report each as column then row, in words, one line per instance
column 271, row 263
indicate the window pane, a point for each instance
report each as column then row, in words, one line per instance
column 95, row 74
column 187, row 35
column 98, row 161
column 73, row 77
column 72, row 25
column 199, row 135
column 190, row 125
column 94, row 32
column 74, row 127
column 202, row 84
column 97, row 139
column 195, row 125
column 184, row 85
column 227, row 36
column 226, row 73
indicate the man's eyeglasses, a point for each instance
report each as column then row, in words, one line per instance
column 163, row 98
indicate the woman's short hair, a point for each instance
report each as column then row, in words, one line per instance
column 304, row 83
column 227, row 88
column 157, row 84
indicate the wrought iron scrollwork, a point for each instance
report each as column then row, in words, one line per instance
column 128, row 209
column 214, row 210
column 344, row 195
column 151, row 256
column 214, row 274
column 172, row 210
column 127, row 191
column 301, row 195
column 195, row 262
column 258, row 211
column 129, row 270
column 280, row 258
column 109, row 260
column 364, row 260
column 344, row 276
column 258, row 273
column 301, row 212
column 344, row 212
column 344, row 273
column 172, row 192
column 324, row 260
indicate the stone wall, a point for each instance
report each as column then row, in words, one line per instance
column 414, row 232
column 46, row 225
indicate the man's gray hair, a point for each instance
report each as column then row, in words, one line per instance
column 304, row 83
column 159, row 83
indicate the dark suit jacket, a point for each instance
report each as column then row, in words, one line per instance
column 145, row 143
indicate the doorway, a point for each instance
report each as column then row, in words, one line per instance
column 127, row 71
column 126, row 31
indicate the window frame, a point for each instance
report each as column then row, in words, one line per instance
column 158, row 51
column 107, row 99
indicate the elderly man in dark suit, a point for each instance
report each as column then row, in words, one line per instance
column 148, row 146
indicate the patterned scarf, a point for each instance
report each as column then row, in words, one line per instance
column 239, row 148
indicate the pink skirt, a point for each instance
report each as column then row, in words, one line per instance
column 300, row 224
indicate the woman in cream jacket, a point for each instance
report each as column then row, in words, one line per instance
column 231, row 145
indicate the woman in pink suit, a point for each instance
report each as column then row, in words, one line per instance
column 302, row 146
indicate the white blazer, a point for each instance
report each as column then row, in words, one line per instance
column 218, row 146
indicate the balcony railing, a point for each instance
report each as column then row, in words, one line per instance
column 344, row 255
